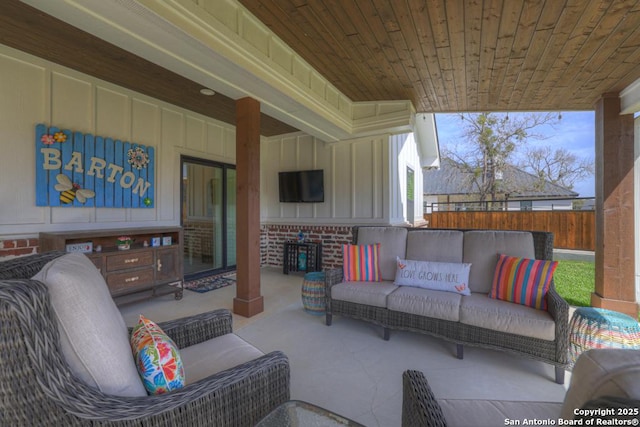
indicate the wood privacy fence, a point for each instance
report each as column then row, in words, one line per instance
column 571, row 229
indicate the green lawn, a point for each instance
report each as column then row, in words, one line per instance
column 575, row 281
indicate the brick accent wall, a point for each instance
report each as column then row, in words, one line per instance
column 198, row 239
column 18, row 247
column 273, row 236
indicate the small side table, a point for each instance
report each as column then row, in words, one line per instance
column 592, row 327
column 314, row 299
column 293, row 251
column 296, row 413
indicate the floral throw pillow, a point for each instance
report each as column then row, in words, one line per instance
column 157, row 358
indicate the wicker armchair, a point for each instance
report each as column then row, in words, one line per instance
column 37, row 387
column 419, row 405
column 604, row 380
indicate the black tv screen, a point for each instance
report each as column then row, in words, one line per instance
column 301, row 186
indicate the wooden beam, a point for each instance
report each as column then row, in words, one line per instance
column 615, row 231
column 248, row 301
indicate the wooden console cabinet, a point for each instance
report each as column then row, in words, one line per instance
column 142, row 271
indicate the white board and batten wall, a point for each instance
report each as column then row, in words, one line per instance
column 364, row 179
column 362, row 185
column 35, row 91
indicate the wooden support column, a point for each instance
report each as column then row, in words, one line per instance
column 248, row 301
column 615, row 235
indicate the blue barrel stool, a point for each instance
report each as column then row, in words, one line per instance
column 600, row 328
column 313, row 293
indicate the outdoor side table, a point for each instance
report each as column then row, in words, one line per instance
column 296, row 413
column 313, row 293
column 592, row 327
column 302, row 256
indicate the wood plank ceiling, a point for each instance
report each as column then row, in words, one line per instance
column 30, row 30
column 443, row 55
column 465, row 55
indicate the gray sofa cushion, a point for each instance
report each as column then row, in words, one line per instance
column 603, row 372
column 425, row 302
column 479, row 310
column 481, row 249
column 393, row 243
column 488, row 413
column 216, row 355
column 368, row 293
column 94, row 339
column 435, row 245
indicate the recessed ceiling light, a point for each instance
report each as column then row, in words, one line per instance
column 207, row 92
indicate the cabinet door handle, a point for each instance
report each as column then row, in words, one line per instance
column 130, row 260
column 159, row 265
column 132, row 279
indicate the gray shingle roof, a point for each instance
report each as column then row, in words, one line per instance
column 451, row 180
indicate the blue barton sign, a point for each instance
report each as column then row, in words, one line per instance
column 83, row 170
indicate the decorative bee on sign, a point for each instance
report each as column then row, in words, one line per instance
column 70, row 191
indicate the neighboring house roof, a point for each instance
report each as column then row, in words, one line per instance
column 450, row 179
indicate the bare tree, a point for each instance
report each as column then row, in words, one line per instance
column 558, row 167
column 490, row 142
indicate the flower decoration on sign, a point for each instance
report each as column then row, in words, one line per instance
column 60, row 137
column 138, row 158
column 147, row 201
column 47, row 139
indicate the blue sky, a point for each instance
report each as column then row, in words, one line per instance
column 575, row 132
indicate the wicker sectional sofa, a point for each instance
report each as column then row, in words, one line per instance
column 474, row 320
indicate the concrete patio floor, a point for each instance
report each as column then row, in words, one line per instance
column 348, row 368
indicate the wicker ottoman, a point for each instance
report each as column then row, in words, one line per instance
column 600, row 328
column 313, row 293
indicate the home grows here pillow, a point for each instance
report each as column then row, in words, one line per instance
column 361, row 263
column 157, row 358
column 522, row 280
column 439, row 276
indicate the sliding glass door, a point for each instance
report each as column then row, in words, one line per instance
column 208, row 216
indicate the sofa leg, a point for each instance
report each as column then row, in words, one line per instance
column 328, row 319
column 459, row 351
column 386, row 334
column 559, row 375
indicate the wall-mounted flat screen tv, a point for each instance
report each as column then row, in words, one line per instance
column 301, row 186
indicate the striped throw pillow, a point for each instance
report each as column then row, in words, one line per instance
column 361, row 263
column 523, row 281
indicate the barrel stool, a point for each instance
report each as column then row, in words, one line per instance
column 313, row 293
column 592, row 327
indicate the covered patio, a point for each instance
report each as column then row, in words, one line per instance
column 330, row 73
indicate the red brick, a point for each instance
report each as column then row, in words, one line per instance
column 17, row 252
column 8, row 244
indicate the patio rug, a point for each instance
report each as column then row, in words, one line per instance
column 209, row 283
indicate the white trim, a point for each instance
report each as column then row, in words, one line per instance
column 235, row 54
column 630, row 98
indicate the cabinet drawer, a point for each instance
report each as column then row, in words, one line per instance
column 129, row 260
column 130, row 279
